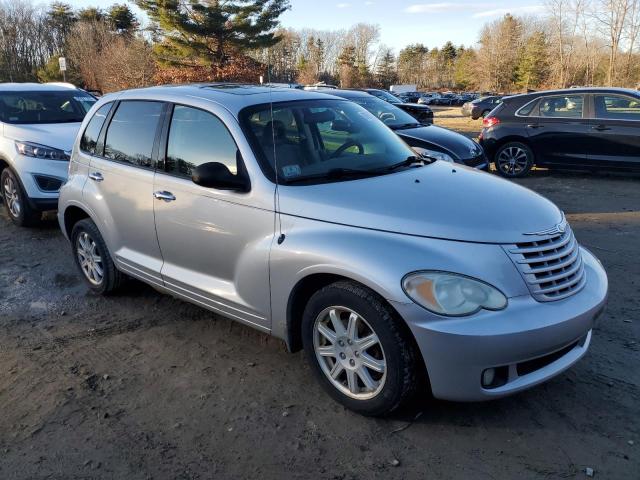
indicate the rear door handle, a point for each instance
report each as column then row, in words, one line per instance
column 534, row 125
column 164, row 195
column 96, row 176
column 601, row 128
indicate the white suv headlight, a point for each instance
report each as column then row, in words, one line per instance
column 35, row 150
column 452, row 294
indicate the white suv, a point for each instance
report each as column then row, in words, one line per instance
column 38, row 124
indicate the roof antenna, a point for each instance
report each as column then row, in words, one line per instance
column 276, row 193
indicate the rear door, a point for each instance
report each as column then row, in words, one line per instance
column 558, row 130
column 120, row 187
column 615, row 131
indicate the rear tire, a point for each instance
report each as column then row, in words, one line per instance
column 366, row 361
column 16, row 202
column 514, row 160
column 93, row 259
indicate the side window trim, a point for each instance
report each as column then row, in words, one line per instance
column 164, row 141
column 534, row 111
column 103, row 134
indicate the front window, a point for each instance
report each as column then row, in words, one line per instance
column 616, row 107
column 44, row 106
column 392, row 116
column 316, row 141
column 389, row 97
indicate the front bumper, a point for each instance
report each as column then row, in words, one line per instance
column 531, row 341
column 28, row 168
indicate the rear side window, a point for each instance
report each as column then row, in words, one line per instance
column 527, row 109
column 89, row 139
column 132, row 132
column 569, row 106
column 197, row 137
column 617, row 107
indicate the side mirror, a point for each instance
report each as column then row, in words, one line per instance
column 217, row 175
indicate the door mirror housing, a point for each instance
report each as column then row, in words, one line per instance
column 217, row 175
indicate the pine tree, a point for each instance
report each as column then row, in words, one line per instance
column 533, row 65
column 386, row 74
column 212, row 30
column 122, row 19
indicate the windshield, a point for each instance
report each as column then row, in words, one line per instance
column 389, row 97
column 44, row 107
column 313, row 139
column 391, row 115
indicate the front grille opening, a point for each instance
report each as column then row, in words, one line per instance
column 48, row 184
column 530, row 366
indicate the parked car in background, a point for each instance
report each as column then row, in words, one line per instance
column 586, row 128
column 410, row 97
column 435, row 142
column 302, row 215
column 480, row 107
column 38, row 124
column 422, row 113
column 428, row 98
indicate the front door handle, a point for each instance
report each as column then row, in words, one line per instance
column 601, row 128
column 534, row 125
column 96, row 176
column 164, row 195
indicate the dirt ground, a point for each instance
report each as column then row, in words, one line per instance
column 144, row 386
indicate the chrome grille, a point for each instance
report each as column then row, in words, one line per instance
column 552, row 268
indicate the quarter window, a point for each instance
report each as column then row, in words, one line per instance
column 197, row 137
column 569, row 106
column 89, row 139
column 617, row 107
column 132, row 132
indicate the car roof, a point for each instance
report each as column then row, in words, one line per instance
column 564, row 91
column 350, row 93
column 233, row 96
column 37, row 87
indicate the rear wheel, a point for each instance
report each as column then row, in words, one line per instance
column 15, row 201
column 93, row 259
column 358, row 350
column 485, row 113
column 513, row 160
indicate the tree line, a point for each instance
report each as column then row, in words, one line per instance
column 575, row 42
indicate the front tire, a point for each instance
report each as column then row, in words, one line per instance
column 16, row 203
column 514, row 160
column 93, row 259
column 358, row 350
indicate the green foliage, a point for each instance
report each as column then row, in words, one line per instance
column 90, row 14
column 122, row 19
column 386, row 73
column 533, row 64
column 195, row 31
column 50, row 72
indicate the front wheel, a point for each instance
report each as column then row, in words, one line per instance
column 357, row 349
column 15, row 201
column 514, row 160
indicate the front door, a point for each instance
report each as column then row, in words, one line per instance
column 558, row 130
column 215, row 243
column 615, row 131
column 120, row 188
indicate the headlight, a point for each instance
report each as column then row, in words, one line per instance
column 452, row 294
column 40, row 151
column 434, row 154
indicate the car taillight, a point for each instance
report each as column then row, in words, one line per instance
column 488, row 122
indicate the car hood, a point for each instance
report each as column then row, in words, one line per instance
column 454, row 143
column 439, row 200
column 415, row 106
column 56, row 135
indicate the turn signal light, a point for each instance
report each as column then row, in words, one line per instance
column 489, row 122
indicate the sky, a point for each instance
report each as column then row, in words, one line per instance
column 401, row 22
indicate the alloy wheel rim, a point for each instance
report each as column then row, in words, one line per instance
column 349, row 353
column 512, row 160
column 90, row 259
column 12, row 197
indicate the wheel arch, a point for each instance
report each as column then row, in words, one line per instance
column 72, row 215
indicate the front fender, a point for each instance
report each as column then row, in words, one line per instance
column 378, row 260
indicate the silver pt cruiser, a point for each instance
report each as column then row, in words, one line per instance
column 304, row 216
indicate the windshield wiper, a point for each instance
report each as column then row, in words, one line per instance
column 412, row 160
column 335, row 174
column 405, row 125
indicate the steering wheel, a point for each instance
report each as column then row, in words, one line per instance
column 387, row 116
column 345, row 146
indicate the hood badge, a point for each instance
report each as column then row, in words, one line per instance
column 558, row 229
